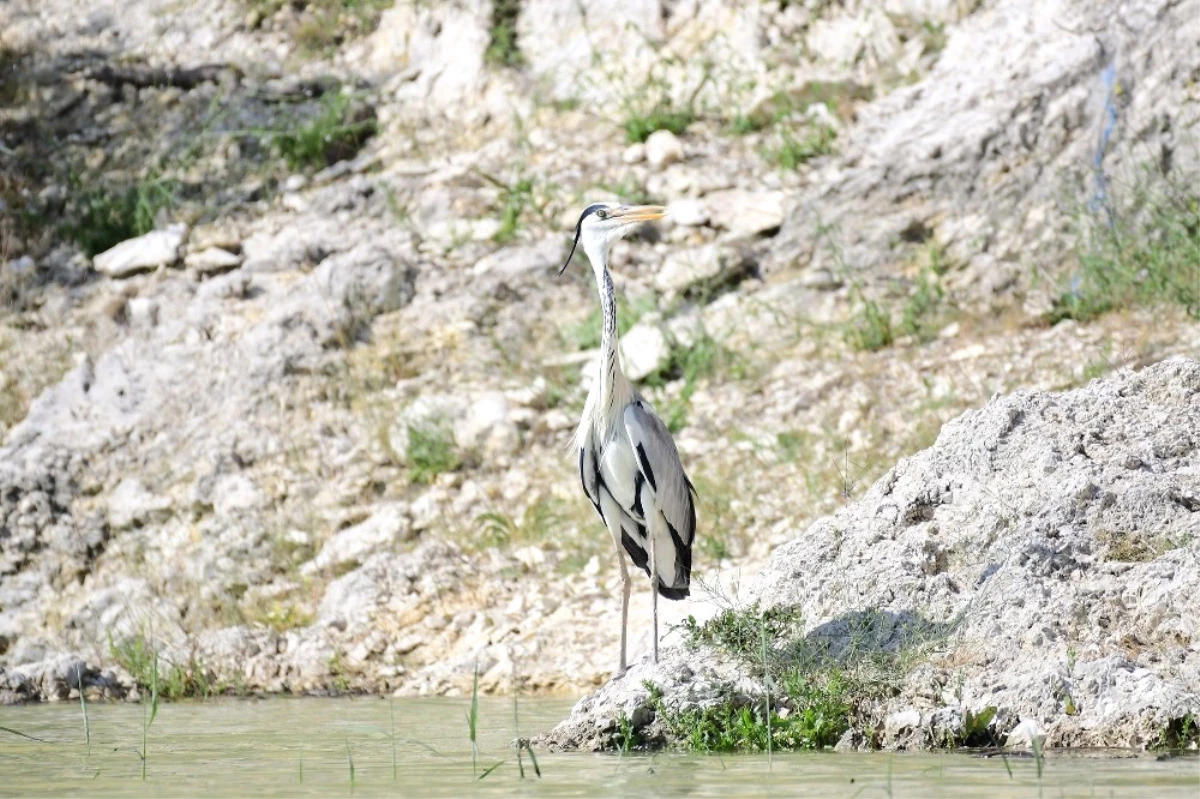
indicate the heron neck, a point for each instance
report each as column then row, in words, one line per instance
column 611, row 380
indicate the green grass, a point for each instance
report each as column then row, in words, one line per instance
column 662, row 116
column 1146, row 255
column 431, row 451
column 869, row 327
column 102, row 215
column 325, row 24
column 516, row 198
column 792, row 152
column 816, row 689
column 503, row 49
column 171, row 681
column 337, row 133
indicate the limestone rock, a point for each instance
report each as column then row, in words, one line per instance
column 644, row 350
column 150, row 251
column 385, row 527
column 212, row 260
column 702, row 269
column 942, row 547
column 745, row 214
column 663, row 149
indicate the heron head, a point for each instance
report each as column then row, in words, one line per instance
column 601, row 224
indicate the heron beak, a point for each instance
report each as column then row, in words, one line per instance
column 639, row 213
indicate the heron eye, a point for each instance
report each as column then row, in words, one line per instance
column 602, row 214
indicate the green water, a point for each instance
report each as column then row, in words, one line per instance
column 298, row 747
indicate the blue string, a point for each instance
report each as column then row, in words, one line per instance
column 1099, row 200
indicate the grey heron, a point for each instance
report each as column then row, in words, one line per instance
column 628, row 463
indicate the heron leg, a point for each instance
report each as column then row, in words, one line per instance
column 626, row 584
column 654, row 591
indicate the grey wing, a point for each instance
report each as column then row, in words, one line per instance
column 659, row 464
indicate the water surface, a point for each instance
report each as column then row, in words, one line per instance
column 298, row 747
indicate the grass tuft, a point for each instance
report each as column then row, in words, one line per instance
column 1146, row 253
column 337, row 133
column 662, row 116
column 792, row 152
column 171, row 681
column 431, row 451
column 503, row 50
column 817, row 688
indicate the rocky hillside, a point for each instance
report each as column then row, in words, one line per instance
column 1034, row 573
column 287, row 380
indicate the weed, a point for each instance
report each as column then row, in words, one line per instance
column 1180, row 733
column 337, row 133
column 103, row 215
column 793, row 152
column 817, row 688
column 1145, row 253
column 541, row 518
column 516, row 198
column 626, row 737
column 149, row 714
column 177, row 681
column 431, row 451
column 918, row 317
column 503, row 49
column 473, row 723
column 1134, row 547
column 662, row 116
column 870, row 326
column 324, row 24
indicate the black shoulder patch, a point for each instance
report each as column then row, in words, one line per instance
column 645, row 463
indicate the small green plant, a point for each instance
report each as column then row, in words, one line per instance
column 1180, row 733
column 813, row 693
column 626, row 737
column 539, row 521
column 431, row 451
column 503, row 49
column 661, row 116
column 1143, row 252
column 473, row 723
column 149, row 714
column 516, row 199
column 870, row 325
column 977, row 727
column 337, row 133
column 176, row 681
column 792, row 152
column 103, row 215
column 350, row 764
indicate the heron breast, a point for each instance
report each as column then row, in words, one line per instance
column 619, row 469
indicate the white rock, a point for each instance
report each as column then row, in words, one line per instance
column 1025, row 733
column 900, row 721
column 684, row 268
column 234, row 493
column 155, row 249
column 634, row 153
column 131, row 503
column 663, row 149
column 142, row 311
column 745, row 213
column 386, row 526
column 644, row 350
column 689, row 213
column 212, row 259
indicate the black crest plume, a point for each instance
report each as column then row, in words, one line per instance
column 591, row 209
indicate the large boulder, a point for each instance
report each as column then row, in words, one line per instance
column 1039, row 564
